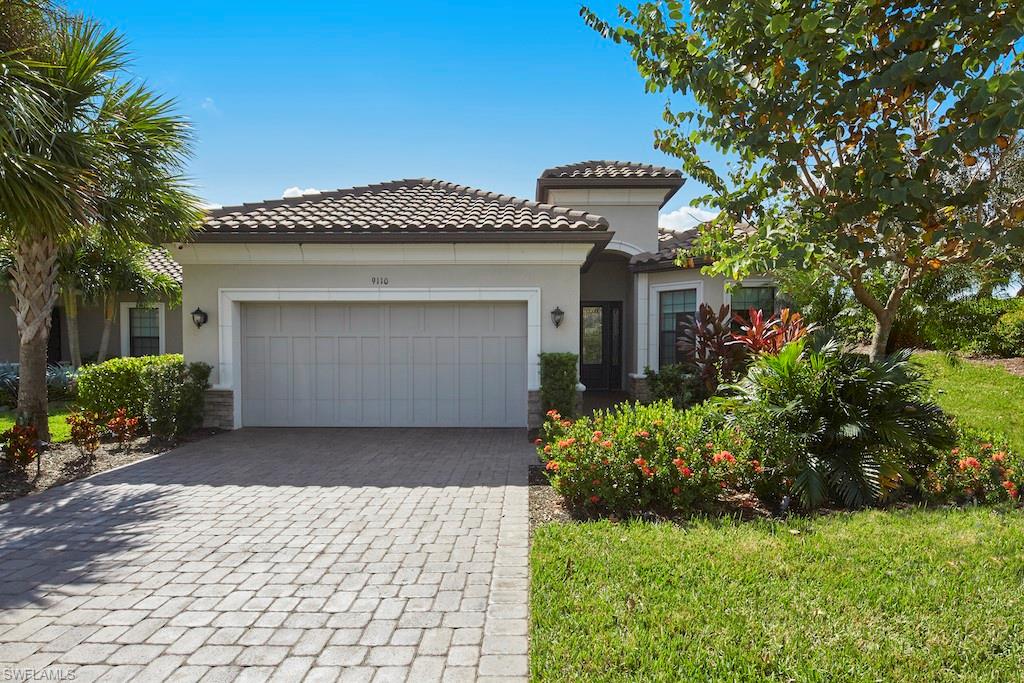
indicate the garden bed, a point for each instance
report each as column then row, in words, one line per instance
column 63, row 463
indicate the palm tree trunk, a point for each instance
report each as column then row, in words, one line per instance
column 74, row 338
column 109, row 307
column 34, row 283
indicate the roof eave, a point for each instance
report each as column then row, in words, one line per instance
column 597, row 237
column 672, row 185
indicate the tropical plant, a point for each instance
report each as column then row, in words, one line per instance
column 758, row 335
column 79, row 148
column 85, row 433
column 123, row 427
column 835, row 426
column 639, row 457
column 21, row 447
column 707, row 341
column 61, row 383
column 868, row 136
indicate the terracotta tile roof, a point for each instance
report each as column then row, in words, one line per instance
column 610, row 169
column 402, row 210
column 159, row 261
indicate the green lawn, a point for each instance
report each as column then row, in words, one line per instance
column 981, row 396
column 59, row 430
column 872, row 596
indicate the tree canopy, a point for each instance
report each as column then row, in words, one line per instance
column 867, row 134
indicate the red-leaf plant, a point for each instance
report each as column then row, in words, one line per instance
column 706, row 340
column 123, row 427
column 85, row 433
column 21, row 447
column 760, row 335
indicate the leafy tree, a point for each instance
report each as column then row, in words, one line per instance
column 846, row 120
column 79, row 147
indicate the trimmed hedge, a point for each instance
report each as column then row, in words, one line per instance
column 176, row 397
column 118, row 383
column 558, row 381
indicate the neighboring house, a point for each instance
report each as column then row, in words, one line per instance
column 426, row 303
column 139, row 330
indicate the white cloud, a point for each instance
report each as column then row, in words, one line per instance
column 208, row 104
column 296, row 191
column 685, row 217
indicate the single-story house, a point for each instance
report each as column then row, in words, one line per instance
column 140, row 329
column 426, row 303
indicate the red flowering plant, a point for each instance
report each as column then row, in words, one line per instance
column 636, row 457
column 979, row 469
column 123, row 427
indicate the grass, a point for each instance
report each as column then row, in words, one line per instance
column 59, row 430
column 985, row 397
column 894, row 596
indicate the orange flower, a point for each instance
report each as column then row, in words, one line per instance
column 538, row 442
column 722, row 456
column 643, row 434
column 640, row 462
column 596, row 482
column 686, row 472
column 553, row 414
column 595, row 499
column 999, row 457
column 547, row 449
column 567, row 423
column 966, row 463
column 955, row 451
column 757, row 466
column 565, row 443
column 606, row 443
column 676, row 490
column 986, row 446
column 552, row 466
column 680, row 449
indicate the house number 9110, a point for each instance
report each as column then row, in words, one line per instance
column 378, row 280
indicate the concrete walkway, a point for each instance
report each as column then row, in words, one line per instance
column 278, row 554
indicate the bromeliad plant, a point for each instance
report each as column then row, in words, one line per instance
column 836, row 427
column 636, row 457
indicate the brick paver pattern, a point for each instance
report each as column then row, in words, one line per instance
column 278, row 554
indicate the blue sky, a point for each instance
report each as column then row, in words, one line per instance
column 319, row 94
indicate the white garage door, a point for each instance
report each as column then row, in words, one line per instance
column 397, row 364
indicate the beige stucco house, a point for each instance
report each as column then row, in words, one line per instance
column 426, row 303
column 140, row 328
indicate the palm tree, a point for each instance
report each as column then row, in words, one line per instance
column 79, row 147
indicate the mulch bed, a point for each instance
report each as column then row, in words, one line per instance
column 63, row 463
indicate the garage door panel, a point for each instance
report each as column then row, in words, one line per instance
column 416, row 364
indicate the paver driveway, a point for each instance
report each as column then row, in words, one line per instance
column 282, row 553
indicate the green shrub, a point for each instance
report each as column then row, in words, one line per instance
column 677, row 383
column 980, row 469
column 636, row 457
column 117, row 383
column 972, row 325
column 176, row 395
column 836, row 427
column 1010, row 332
column 558, row 381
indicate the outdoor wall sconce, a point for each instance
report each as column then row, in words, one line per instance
column 557, row 316
column 199, row 317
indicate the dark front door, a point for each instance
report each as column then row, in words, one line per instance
column 601, row 344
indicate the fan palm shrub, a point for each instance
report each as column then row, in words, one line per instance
column 836, row 427
column 80, row 148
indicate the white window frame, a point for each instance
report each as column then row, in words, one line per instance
column 126, row 306
column 654, row 315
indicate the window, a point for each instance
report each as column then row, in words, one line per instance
column 142, row 329
column 758, row 298
column 677, row 308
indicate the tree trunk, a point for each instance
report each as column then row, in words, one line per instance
column 109, row 307
column 880, row 337
column 74, row 339
column 34, row 283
